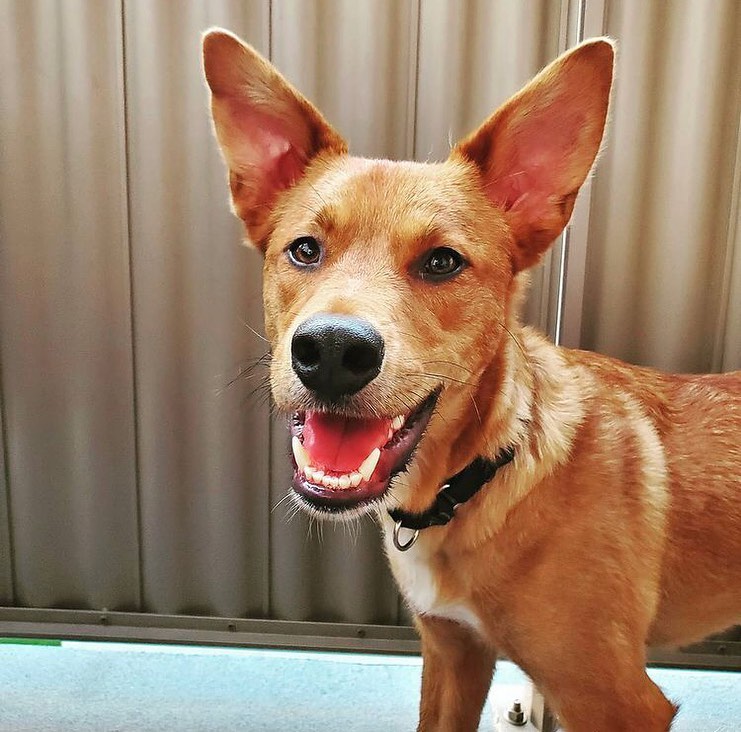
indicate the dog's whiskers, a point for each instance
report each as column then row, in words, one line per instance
column 476, row 409
column 515, row 339
column 294, row 509
column 430, row 375
column 286, row 497
column 449, row 363
column 262, row 391
column 245, row 372
column 252, row 330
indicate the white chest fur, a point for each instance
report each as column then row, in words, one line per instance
column 413, row 573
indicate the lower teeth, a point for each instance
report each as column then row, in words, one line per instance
column 342, row 482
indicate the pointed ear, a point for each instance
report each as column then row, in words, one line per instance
column 267, row 131
column 537, row 149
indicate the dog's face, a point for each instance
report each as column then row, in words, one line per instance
column 388, row 286
column 372, row 280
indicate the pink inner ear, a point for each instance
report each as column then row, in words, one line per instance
column 280, row 162
column 534, row 158
column 261, row 147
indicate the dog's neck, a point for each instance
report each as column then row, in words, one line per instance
column 528, row 400
column 537, row 410
column 499, row 411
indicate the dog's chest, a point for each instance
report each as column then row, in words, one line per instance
column 419, row 586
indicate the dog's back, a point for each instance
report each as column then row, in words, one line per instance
column 690, row 424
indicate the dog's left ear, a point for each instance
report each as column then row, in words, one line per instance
column 537, row 149
column 268, row 132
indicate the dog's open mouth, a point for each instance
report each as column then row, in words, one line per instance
column 342, row 463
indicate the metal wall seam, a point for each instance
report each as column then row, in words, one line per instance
column 413, row 93
column 727, row 356
column 554, row 261
column 7, row 583
column 585, row 19
column 727, row 345
column 127, row 228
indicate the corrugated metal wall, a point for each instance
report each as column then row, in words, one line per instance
column 65, row 316
column 6, row 571
column 202, row 457
column 659, row 287
column 134, row 477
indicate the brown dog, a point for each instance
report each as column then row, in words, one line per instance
column 608, row 495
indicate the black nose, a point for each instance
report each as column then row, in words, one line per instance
column 336, row 355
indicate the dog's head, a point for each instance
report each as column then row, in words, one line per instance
column 389, row 286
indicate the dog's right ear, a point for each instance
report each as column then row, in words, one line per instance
column 537, row 149
column 268, row 132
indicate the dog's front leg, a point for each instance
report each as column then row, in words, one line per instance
column 456, row 675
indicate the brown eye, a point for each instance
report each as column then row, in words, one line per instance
column 441, row 264
column 305, row 251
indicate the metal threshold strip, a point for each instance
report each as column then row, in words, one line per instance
column 199, row 630
column 301, row 635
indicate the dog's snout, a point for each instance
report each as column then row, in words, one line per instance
column 336, row 355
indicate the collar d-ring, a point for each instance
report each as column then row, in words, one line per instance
column 402, row 547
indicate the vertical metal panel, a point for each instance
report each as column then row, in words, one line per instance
column 203, row 451
column 6, row 557
column 662, row 196
column 64, row 305
column 728, row 341
column 731, row 341
column 356, row 61
column 585, row 19
column 472, row 57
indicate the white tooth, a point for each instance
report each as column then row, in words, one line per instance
column 389, row 435
column 302, row 459
column 344, row 482
column 334, row 482
column 355, row 479
column 397, row 422
column 312, row 474
column 369, row 464
column 327, row 481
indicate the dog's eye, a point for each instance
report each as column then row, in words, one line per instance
column 441, row 264
column 305, row 251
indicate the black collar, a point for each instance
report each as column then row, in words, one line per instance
column 456, row 490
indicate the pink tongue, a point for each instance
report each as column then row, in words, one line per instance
column 340, row 444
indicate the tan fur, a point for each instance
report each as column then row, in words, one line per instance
column 619, row 522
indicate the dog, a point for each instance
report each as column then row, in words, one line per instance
column 554, row 505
